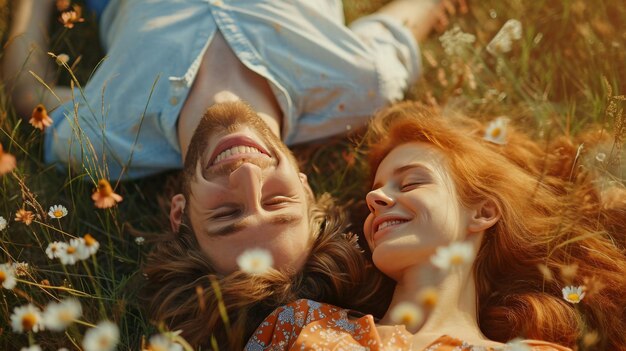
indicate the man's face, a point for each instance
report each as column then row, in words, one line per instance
column 246, row 193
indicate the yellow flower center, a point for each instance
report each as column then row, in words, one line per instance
column 58, row 213
column 40, row 113
column 496, row 132
column 89, row 240
column 104, row 342
column 3, row 277
column 28, row 321
column 65, row 317
column 71, row 250
column 573, row 297
column 155, row 348
column 104, row 188
column 456, row 260
column 429, row 299
column 406, row 319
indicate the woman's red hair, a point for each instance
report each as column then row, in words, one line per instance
column 552, row 215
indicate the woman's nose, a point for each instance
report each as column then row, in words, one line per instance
column 377, row 200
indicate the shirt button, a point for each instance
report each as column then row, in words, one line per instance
column 173, row 100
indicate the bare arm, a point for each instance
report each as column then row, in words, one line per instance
column 26, row 50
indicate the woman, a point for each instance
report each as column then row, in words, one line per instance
column 510, row 209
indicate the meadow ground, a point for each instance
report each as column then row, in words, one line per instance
column 565, row 72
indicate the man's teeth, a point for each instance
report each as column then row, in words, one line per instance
column 386, row 224
column 236, row 150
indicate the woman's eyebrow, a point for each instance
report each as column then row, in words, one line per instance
column 409, row 167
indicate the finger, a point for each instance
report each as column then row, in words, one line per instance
column 463, row 6
column 449, row 6
column 442, row 21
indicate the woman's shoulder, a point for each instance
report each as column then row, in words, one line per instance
column 446, row 342
column 538, row 345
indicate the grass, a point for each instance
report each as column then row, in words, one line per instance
column 565, row 74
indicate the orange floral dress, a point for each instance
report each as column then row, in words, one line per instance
column 310, row 325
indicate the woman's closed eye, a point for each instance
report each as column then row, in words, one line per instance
column 226, row 214
column 408, row 186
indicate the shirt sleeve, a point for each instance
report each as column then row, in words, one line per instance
column 395, row 51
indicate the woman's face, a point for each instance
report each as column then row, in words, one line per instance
column 414, row 208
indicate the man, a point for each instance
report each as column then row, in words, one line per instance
column 241, row 189
column 305, row 74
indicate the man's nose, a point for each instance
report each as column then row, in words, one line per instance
column 378, row 200
column 247, row 181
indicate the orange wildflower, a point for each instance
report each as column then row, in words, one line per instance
column 63, row 5
column 70, row 17
column 25, row 216
column 104, row 197
column 39, row 118
column 7, row 162
column 349, row 157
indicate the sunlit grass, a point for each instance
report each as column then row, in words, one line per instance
column 566, row 73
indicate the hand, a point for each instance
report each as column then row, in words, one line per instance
column 422, row 16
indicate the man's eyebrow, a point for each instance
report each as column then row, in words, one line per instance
column 403, row 169
column 281, row 219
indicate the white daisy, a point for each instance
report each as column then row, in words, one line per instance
column 59, row 315
column 55, row 248
column 455, row 255
column 104, row 337
column 162, row 343
column 91, row 245
column 57, row 211
column 26, row 318
column 407, row 313
column 496, row 131
column 573, row 294
column 31, row 348
column 255, row 261
column 503, row 40
column 517, row 345
column 3, row 223
column 73, row 252
column 7, row 276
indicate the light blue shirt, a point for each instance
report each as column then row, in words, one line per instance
column 326, row 77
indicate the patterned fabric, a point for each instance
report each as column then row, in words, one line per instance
column 309, row 325
column 327, row 77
